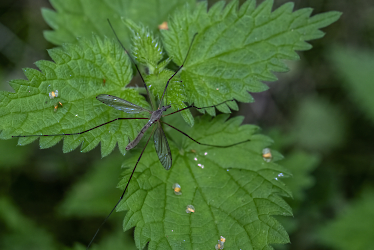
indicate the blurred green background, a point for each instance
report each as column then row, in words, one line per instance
column 320, row 115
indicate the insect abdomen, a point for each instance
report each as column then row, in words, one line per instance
column 138, row 137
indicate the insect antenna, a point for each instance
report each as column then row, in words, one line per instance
column 133, row 61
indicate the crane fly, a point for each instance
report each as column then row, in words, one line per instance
column 159, row 138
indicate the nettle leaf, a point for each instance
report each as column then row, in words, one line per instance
column 236, row 49
column 80, row 73
column 148, row 51
column 79, row 18
column 234, row 191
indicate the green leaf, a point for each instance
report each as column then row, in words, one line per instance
column 355, row 68
column 79, row 73
column 234, row 191
column 175, row 94
column 236, row 49
column 79, row 18
column 148, row 51
column 353, row 228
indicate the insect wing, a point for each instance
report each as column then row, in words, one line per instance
column 121, row 104
column 162, row 147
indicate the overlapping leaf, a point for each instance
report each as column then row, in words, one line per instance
column 234, row 191
column 79, row 18
column 236, row 49
column 148, row 51
column 80, row 73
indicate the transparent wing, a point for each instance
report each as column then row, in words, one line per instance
column 121, row 104
column 162, row 147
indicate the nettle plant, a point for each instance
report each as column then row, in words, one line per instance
column 235, row 191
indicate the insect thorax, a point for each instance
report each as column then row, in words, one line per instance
column 156, row 115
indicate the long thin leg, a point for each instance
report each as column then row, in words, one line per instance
column 192, row 106
column 79, row 133
column 205, row 144
column 163, row 94
column 133, row 171
column 136, row 66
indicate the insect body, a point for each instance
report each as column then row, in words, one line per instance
column 161, row 144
